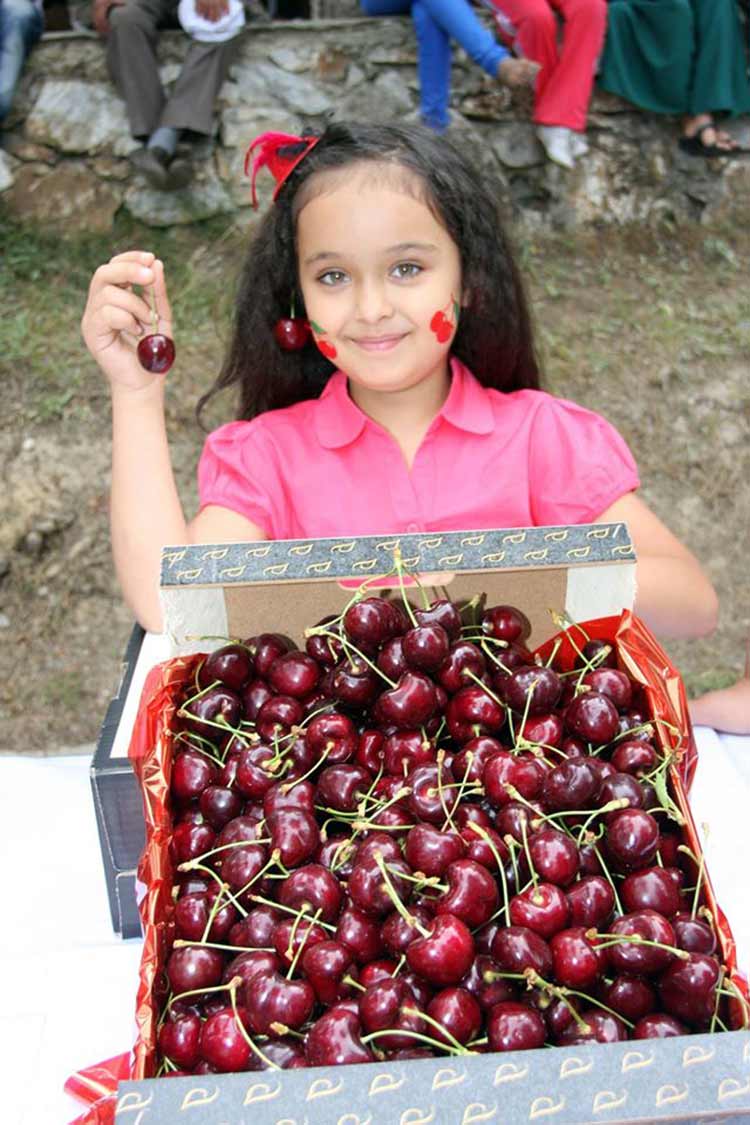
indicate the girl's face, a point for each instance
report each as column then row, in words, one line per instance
column 381, row 279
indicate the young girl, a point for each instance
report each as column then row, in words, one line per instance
column 414, row 406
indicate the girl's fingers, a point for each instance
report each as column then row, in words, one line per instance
column 120, row 320
column 135, row 304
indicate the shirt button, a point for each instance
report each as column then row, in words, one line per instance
column 413, row 528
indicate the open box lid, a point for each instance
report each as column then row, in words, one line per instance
column 213, row 591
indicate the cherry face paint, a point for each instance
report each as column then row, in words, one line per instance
column 441, row 324
column 327, row 349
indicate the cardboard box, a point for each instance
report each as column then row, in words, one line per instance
column 703, row 1078
column 213, row 591
column 117, row 796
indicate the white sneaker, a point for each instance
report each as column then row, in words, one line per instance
column 578, row 143
column 557, row 143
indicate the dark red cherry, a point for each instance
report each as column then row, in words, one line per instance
column 592, row 717
column 688, row 989
column 222, row 1044
column 444, row 613
column 632, row 957
column 425, row 647
column 591, row 901
column 505, row 623
column 513, row 1026
column 652, row 888
column 631, row 997
column 577, row 959
column 532, row 690
column 693, row 934
column 336, row 1039
column 658, row 1025
column 613, row 683
column 632, row 838
column 291, row 333
column 179, row 1038
column 156, row 353
column 543, row 909
column 458, row 1012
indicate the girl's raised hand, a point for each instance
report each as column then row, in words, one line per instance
column 117, row 316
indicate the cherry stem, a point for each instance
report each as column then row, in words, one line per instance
column 234, row 984
column 701, row 871
column 441, row 791
column 459, row 795
column 445, row 1047
column 611, row 806
column 348, row 646
column 289, row 910
column 395, row 899
column 287, row 786
column 437, row 1025
column 423, row 881
column 488, row 691
column 604, row 941
column 188, row 736
column 302, row 944
column 215, row 908
column 399, row 567
column 511, row 843
column 197, row 991
column 481, row 831
column 192, row 864
column 224, row 888
column 179, row 943
column 353, row 983
column 717, row 1001
column 609, row 878
column 275, row 857
column 532, row 869
column 399, row 966
column 560, row 993
column 154, row 314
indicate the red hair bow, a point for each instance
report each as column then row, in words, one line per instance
column 269, row 155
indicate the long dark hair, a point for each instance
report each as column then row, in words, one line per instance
column 494, row 337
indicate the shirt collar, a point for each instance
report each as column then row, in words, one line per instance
column 339, row 421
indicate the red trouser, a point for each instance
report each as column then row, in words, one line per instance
column 563, row 88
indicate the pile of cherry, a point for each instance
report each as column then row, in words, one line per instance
column 415, row 839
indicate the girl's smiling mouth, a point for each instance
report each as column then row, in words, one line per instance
column 379, row 343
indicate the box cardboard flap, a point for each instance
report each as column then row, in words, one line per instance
column 213, row 591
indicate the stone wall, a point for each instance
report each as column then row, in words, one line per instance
column 67, row 141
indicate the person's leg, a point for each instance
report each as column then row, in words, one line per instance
column 132, row 61
column 385, row 7
column 457, row 19
column 566, row 95
column 21, row 25
column 532, row 26
column 434, row 67
column 719, row 82
column 192, row 101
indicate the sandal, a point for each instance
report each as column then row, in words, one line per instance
column 696, row 146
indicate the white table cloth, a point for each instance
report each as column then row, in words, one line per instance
column 68, row 983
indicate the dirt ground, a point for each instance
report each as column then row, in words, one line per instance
column 649, row 327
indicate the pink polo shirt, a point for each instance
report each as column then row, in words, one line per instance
column 323, row 468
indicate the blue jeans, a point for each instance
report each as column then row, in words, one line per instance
column 437, row 22
column 21, row 24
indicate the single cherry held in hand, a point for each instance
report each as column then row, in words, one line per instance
column 156, row 351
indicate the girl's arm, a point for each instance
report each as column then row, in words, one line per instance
column 145, row 509
column 674, row 596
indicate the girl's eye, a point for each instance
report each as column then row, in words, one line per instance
column 407, row 269
column 332, row 277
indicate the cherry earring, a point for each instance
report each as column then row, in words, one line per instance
column 291, row 332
